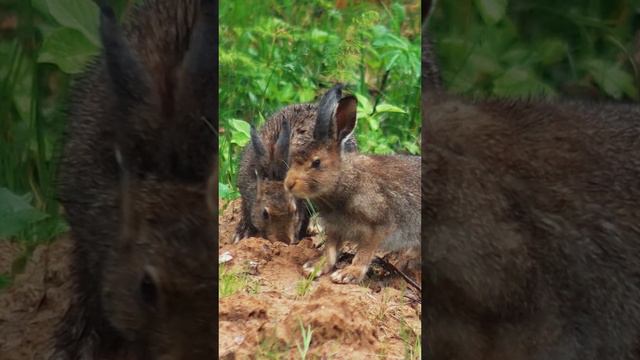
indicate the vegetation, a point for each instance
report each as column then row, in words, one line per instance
column 277, row 53
column 42, row 44
column 303, row 348
column 233, row 280
column 520, row 48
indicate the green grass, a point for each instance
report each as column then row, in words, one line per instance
column 303, row 347
column 411, row 342
column 304, row 286
column 233, row 280
column 271, row 349
column 277, row 53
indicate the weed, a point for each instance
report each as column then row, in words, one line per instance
column 230, row 281
column 304, row 286
column 271, row 349
column 411, row 341
column 303, row 348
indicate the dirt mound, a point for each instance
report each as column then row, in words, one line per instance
column 265, row 316
column 33, row 305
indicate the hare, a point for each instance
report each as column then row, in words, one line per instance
column 267, row 209
column 273, row 213
column 372, row 201
column 531, row 243
column 135, row 180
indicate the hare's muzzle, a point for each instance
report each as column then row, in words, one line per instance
column 289, row 183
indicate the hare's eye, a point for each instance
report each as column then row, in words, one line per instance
column 315, row 163
column 148, row 290
column 265, row 214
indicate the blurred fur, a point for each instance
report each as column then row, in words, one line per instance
column 531, row 242
column 135, row 178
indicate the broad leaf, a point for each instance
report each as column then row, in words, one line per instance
column 68, row 49
column 81, row 15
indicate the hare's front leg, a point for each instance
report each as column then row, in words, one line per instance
column 355, row 272
column 332, row 245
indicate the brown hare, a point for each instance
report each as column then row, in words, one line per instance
column 267, row 209
column 371, row 201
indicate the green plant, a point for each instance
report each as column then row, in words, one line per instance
column 275, row 53
column 303, row 348
column 232, row 280
column 519, row 48
column 270, row 348
column 42, row 44
column 303, row 286
column 411, row 342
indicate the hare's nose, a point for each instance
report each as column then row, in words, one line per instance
column 290, row 184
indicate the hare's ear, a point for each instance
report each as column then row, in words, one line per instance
column 326, row 108
column 346, row 118
column 127, row 212
column 128, row 78
column 212, row 191
column 192, row 105
column 198, row 74
column 281, row 151
column 258, row 182
column 427, row 9
column 258, row 148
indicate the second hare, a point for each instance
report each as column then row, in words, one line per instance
column 372, row 201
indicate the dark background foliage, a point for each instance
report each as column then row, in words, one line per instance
column 520, row 48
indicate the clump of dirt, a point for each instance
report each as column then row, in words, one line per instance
column 347, row 321
column 33, row 305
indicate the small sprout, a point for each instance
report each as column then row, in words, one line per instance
column 306, row 341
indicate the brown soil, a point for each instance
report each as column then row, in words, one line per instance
column 348, row 321
column 229, row 217
column 36, row 300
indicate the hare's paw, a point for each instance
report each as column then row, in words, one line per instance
column 309, row 267
column 349, row 275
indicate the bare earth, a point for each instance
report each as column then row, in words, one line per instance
column 348, row 321
column 32, row 306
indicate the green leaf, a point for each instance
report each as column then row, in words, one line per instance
column 81, row 15
column 364, row 105
column 23, row 89
column 491, row 11
column 520, row 82
column 388, row 108
column 226, row 192
column 241, row 132
column 611, row 78
column 552, row 51
column 68, row 49
column 16, row 214
column 319, row 36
